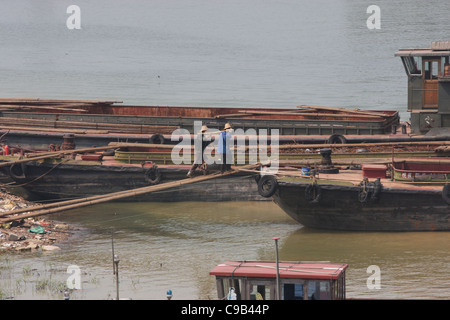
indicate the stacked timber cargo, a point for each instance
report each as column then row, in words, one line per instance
column 39, row 115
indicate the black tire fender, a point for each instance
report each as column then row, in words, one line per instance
column 446, row 193
column 267, row 186
column 369, row 191
column 18, row 171
column 157, row 138
column 377, row 186
column 337, row 139
column 111, row 152
column 363, row 192
column 313, row 193
column 363, row 196
column 153, row 175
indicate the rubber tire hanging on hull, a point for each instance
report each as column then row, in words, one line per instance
column 153, row 175
column 157, row 139
column 337, row 139
column 369, row 191
column 18, row 171
column 446, row 193
column 313, row 193
column 267, row 186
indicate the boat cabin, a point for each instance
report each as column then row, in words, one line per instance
column 257, row 280
column 428, row 72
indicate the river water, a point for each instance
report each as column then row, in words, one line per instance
column 253, row 53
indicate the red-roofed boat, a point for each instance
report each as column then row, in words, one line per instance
column 256, row 280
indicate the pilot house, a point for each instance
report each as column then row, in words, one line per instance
column 428, row 72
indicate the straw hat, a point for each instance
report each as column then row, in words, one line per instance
column 227, row 126
column 204, row 128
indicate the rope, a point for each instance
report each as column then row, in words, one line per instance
column 41, row 176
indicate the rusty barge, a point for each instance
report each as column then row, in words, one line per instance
column 370, row 199
column 93, row 174
column 38, row 122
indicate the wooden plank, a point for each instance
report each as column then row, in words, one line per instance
column 109, row 127
column 30, row 107
column 48, row 129
column 41, row 156
column 318, row 114
column 355, row 111
column 370, row 144
column 55, row 101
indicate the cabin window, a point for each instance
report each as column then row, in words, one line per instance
column 445, row 66
column 324, row 290
column 260, row 292
column 431, row 69
column 413, row 65
column 293, row 291
column 313, row 290
column 235, row 285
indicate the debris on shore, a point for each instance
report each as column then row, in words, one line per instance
column 30, row 234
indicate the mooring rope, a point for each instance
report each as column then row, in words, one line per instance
column 11, row 185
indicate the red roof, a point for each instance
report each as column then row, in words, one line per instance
column 262, row 269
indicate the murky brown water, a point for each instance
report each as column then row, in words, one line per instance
column 174, row 246
column 233, row 53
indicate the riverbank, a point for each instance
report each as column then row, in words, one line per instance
column 30, row 234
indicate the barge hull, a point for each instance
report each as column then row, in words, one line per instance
column 50, row 181
column 339, row 208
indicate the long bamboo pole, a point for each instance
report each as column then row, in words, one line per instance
column 89, row 125
column 60, row 130
column 57, row 107
column 364, row 144
column 41, row 156
column 55, row 101
column 317, row 114
column 355, row 111
column 124, row 194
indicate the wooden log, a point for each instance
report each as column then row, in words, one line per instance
column 112, row 145
column 234, row 115
column 356, row 111
column 231, row 115
column 109, row 127
column 142, row 145
column 54, row 101
column 47, row 155
column 336, row 115
column 337, row 162
column 25, row 107
column 363, row 144
column 48, row 129
column 123, row 194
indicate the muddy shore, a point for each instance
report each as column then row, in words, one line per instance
column 30, row 234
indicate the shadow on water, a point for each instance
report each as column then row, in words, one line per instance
column 161, row 246
column 174, row 246
column 411, row 264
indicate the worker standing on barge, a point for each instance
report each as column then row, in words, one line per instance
column 5, row 149
column 223, row 148
column 199, row 159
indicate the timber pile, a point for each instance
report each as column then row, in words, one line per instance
column 61, row 124
column 315, row 112
column 443, row 149
column 78, row 203
column 50, row 104
column 55, row 154
column 64, row 125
